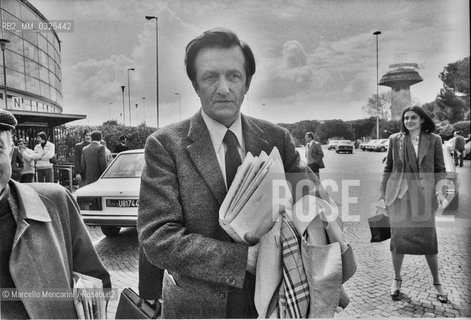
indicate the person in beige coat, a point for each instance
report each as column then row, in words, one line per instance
column 411, row 189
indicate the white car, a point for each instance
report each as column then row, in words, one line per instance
column 380, row 145
column 111, row 202
column 332, row 144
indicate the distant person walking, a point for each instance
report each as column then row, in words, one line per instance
column 314, row 154
column 43, row 152
column 411, row 192
column 458, row 148
column 27, row 174
column 122, row 146
column 93, row 159
column 17, row 164
column 79, row 173
column 109, row 156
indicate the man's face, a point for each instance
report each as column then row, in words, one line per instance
column 307, row 138
column 221, row 82
column 88, row 137
column 5, row 160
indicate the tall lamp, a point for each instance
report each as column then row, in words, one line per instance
column 376, row 33
column 3, row 43
column 129, row 95
column 156, row 62
column 124, row 117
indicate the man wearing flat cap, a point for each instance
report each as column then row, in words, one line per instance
column 43, row 240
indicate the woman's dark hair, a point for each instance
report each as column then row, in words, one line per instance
column 43, row 135
column 218, row 38
column 427, row 126
column 85, row 132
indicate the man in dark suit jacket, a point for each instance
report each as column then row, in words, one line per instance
column 314, row 154
column 458, row 148
column 17, row 164
column 184, row 183
column 79, row 173
column 121, row 146
column 93, row 159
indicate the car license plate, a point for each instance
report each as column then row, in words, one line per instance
column 122, row 203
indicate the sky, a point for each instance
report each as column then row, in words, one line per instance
column 316, row 60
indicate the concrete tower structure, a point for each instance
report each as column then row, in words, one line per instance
column 399, row 78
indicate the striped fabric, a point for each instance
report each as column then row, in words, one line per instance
column 294, row 290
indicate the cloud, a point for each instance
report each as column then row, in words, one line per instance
column 294, row 55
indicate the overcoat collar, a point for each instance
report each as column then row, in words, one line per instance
column 27, row 253
column 201, row 151
column 30, row 206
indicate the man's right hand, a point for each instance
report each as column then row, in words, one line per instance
column 252, row 255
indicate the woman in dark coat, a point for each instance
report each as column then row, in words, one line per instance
column 412, row 190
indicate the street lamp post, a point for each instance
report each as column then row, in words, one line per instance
column 179, row 104
column 376, row 33
column 156, row 63
column 144, row 104
column 129, row 96
column 3, row 43
column 137, row 115
column 109, row 112
column 124, row 117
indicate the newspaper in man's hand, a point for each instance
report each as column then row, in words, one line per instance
column 250, row 206
column 89, row 297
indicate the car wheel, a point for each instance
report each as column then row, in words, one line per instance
column 382, row 149
column 336, row 151
column 351, row 152
column 110, row 231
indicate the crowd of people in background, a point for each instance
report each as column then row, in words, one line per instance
column 91, row 158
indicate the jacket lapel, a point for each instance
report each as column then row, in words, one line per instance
column 202, row 154
column 254, row 143
column 400, row 141
column 424, row 144
column 28, row 252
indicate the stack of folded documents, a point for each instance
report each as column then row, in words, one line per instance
column 89, row 297
column 257, row 196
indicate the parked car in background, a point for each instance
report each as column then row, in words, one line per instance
column 112, row 201
column 369, row 144
column 363, row 145
column 344, row 146
column 380, row 145
column 332, row 144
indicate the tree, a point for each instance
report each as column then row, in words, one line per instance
column 454, row 97
column 384, row 105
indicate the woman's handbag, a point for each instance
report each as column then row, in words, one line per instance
column 379, row 227
column 131, row 306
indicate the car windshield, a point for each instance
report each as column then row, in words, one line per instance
column 345, row 141
column 127, row 165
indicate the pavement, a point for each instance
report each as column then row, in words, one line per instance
column 369, row 287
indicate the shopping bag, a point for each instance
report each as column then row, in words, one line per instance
column 379, row 227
